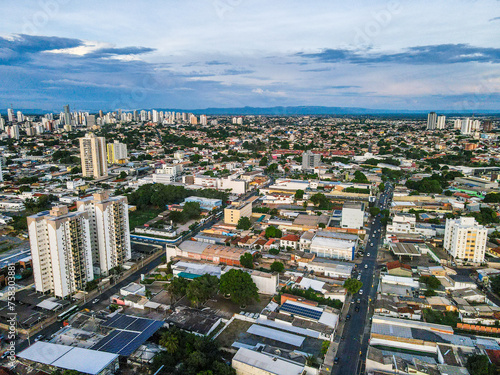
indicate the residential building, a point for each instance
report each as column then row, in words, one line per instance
column 61, row 251
column 431, row 121
column 250, row 362
column 93, row 156
column 205, row 203
column 109, row 230
column 233, row 213
column 353, row 214
column 441, row 122
column 117, row 153
column 310, row 160
column 465, row 239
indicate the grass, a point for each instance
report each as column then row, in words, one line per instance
column 140, row 217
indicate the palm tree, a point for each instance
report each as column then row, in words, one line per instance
column 169, row 342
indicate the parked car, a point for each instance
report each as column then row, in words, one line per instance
column 361, row 292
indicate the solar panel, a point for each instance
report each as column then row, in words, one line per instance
column 302, row 311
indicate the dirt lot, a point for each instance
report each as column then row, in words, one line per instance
column 231, row 333
column 225, row 308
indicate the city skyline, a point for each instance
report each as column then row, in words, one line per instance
column 392, row 56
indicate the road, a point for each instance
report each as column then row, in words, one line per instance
column 352, row 350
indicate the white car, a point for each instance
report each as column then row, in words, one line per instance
column 359, row 277
column 371, row 244
column 366, row 265
column 360, row 291
column 368, row 254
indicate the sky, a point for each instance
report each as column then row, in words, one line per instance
column 395, row 55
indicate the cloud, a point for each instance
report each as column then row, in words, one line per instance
column 421, row 55
column 494, row 19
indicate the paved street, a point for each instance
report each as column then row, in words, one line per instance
column 352, row 350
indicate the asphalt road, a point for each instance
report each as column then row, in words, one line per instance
column 352, row 350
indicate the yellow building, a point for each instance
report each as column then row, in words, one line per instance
column 233, row 213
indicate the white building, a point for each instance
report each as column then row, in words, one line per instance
column 310, row 161
column 353, row 215
column 407, row 223
column 465, row 239
column 109, row 230
column 167, row 173
column 441, row 122
column 250, row 362
column 93, row 155
column 117, row 153
column 61, row 251
column 334, row 245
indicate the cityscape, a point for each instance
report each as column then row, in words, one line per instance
column 272, row 189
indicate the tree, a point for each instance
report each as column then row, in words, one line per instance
column 299, row 194
column 244, row 223
column 123, row 175
column 432, row 282
column 360, row 177
column 495, row 284
column 277, row 267
column 177, row 287
column 492, row 198
column 374, row 211
column 480, row 365
column 240, row 286
column 202, row 289
column 381, row 186
column 273, row 251
column 321, row 201
column 352, row 285
column 263, row 161
column 169, row 341
column 273, row 232
column 246, row 260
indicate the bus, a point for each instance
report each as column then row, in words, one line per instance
column 66, row 314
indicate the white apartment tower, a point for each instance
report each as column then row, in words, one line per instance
column 310, row 160
column 117, row 152
column 431, row 121
column 93, row 156
column 109, row 230
column 60, row 251
column 441, row 122
column 464, row 239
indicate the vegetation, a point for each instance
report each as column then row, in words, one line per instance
column 189, row 354
column 485, row 216
column 321, row 201
column 277, row 267
column 432, row 282
column 449, row 318
column 374, row 211
column 273, row 232
column 299, row 194
column 244, row 223
column 274, row 251
column 190, row 211
column 353, row 285
column 201, row 289
column 359, row 177
column 246, row 260
column 495, row 284
column 240, row 286
column 480, row 365
column 492, row 198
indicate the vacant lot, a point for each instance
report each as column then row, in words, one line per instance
column 140, row 217
column 232, row 332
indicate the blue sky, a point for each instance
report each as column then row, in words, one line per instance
column 416, row 55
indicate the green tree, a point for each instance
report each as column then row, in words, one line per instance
column 274, row 251
column 202, row 289
column 263, row 161
column 495, row 284
column 374, row 211
column 177, row 287
column 240, row 286
column 123, row 175
column 277, row 267
column 480, row 365
column 244, row 223
column 273, row 232
column 352, row 285
column 299, row 194
column 246, row 260
column 169, row 341
column 432, row 282
column 492, row 198
column 359, row 177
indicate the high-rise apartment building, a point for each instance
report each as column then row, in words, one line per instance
column 67, row 115
column 203, row 120
column 109, row 230
column 93, row 156
column 466, row 126
column 431, row 121
column 464, row 239
column 441, row 122
column 117, row 153
column 193, row 120
column 487, row 125
column 10, row 115
column 310, row 161
column 61, row 251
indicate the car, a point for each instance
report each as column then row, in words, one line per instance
column 368, row 254
column 5, row 354
column 359, row 277
column 360, row 291
column 348, row 317
column 356, row 308
column 359, row 300
column 336, row 360
column 366, row 265
column 95, row 301
column 39, row 338
column 371, row 244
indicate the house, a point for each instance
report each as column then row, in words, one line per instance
column 290, row 240
column 397, row 268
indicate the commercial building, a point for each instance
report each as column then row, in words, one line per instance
column 465, row 239
column 61, row 251
column 353, row 214
column 310, row 160
column 407, row 223
column 250, row 362
column 334, row 245
column 205, row 203
column 117, row 153
column 233, row 213
column 109, row 230
column 93, row 156
column 205, row 251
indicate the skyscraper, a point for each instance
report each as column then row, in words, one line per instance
column 10, row 114
column 117, row 153
column 466, row 126
column 60, row 251
column 310, row 160
column 67, row 115
column 203, row 120
column 93, row 156
column 431, row 121
column 487, row 125
column 109, row 230
column 441, row 122
column 464, row 239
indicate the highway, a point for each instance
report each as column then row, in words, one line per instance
column 354, row 342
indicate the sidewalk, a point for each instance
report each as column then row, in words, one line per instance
column 327, row 366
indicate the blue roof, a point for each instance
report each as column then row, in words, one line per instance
column 301, row 311
column 129, row 333
column 188, row 275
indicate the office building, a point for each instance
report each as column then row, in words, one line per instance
column 431, row 121
column 90, row 121
column 117, row 153
column 465, row 239
column 61, row 251
column 310, row 161
column 441, row 122
column 353, row 215
column 20, row 116
column 233, row 213
column 109, row 230
column 93, row 156
column 67, row 115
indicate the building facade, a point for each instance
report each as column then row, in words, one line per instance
column 310, row 161
column 93, row 155
column 465, row 239
column 61, row 251
column 117, row 153
column 353, row 215
column 232, row 214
